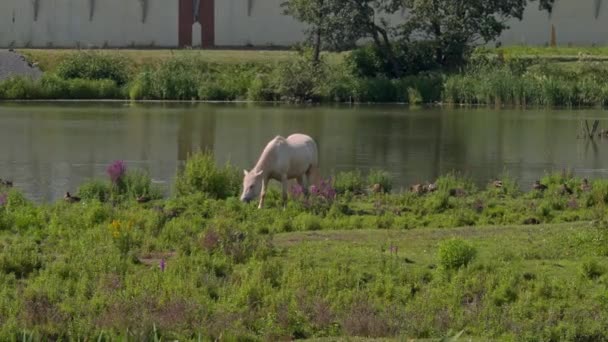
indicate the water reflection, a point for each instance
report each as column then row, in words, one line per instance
column 48, row 149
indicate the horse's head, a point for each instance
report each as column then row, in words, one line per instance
column 252, row 185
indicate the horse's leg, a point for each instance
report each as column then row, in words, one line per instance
column 263, row 193
column 284, row 183
column 302, row 182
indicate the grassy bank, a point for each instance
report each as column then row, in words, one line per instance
column 200, row 265
column 493, row 77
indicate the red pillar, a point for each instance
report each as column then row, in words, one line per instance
column 185, row 21
column 207, row 18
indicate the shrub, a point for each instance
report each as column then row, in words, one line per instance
column 201, row 174
column 455, row 253
column 415, row 57
column 18, row 88
column 177, row 79
column 380, row 177
column 351, row 181
column 95, row 66
column 261, row 89
column 296, row 81
column 95, row 190
column 138, row 183
column 211, row 90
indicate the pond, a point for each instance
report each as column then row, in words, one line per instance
column 50, row 148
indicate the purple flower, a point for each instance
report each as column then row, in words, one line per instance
column 296, row 190
column 117, row 170
column 3, row 199
column 162, row 265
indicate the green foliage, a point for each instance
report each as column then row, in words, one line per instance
column 53, row 87
column 95, row 66
column 95, row 190
column 591, row 269
column 538, row 85
column 369, row 61
column 351, row 181
column 201, row 174
column 139, row 184
column 455, row 253
column 380, row 177
column 296, row 81
column 98, row 269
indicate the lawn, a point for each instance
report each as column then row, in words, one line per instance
column 48, row 59
column 124, row 263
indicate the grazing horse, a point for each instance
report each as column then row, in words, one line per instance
column 282, row 159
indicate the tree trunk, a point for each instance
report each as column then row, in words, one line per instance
column 317, row 47
column 386, row 48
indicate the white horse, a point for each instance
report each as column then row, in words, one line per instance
column 283, row 159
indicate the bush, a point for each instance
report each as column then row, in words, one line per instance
column 139, row 184
column 380, row 177
column 201, row 174
column 18, row 88
column 297, row 81
column 261, row 89
column 414, row 57
column 95, row 66
column 177, row 79
column 95, row 190
column 351, row 181
column 455, row 253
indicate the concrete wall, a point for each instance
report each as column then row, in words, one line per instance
column 265, row 25
column 575, row 23
column 117, row 23
column 65, row 23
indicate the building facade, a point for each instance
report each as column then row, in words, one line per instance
column 234, row 23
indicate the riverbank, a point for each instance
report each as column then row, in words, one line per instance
column 516, row 77
column 350, row 260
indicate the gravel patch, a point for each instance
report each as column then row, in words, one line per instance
column 14, row 64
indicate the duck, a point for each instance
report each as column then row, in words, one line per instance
column 431, row 187
column 458, row 192
column 565, row 189
column 143, row 199
column 538, row 186
column 377, row 188
column 418, row 189
column 71, row 199
column 585, row 186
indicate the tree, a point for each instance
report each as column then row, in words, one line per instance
column 456, row 26
column 339, row 24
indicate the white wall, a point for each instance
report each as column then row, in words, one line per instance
column 117, row 23
column 574, row 22
column 265, row 26
column 65, row 23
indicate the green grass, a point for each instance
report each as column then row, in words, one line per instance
column 512, row 79
column 557, row 53
column 49, row 59
column 353, row 266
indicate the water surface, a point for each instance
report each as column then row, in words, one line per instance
column 50, row 148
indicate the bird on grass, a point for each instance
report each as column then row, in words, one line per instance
column 143, row 199
column 71, row 199
column 585, row 186
column 538, row 186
